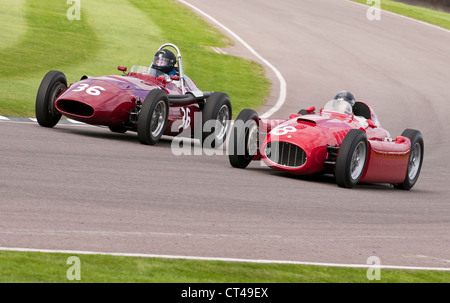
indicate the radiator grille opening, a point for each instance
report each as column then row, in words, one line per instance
column 75, row 108
column 285, row 154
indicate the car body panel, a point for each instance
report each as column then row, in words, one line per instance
column 387, row 160
column 109, row 100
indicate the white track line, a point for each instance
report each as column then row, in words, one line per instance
column 219, row 50
column 404, row 17
column 81, row 252
column 282, row 96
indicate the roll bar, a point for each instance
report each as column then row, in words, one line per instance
column 180, row 64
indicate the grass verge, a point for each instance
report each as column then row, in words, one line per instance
column 438, row 18
column 35, row 267
column 37, row 37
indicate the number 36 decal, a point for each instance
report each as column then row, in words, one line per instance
column 93, row 90
column 186, row 121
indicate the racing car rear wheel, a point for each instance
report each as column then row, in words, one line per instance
column 415, row 158
column 244, row 137
column 53, row 84
column 152, row 118
column 351, row 159
column 217, row 110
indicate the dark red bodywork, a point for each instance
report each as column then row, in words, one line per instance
column 109, row 100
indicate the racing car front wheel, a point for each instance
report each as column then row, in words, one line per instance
column 415, row 159
column 216, row 116
column 153, row 116
column 53, row 84
column 244, row 137
column 351, row 159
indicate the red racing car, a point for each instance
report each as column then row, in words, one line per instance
column 341, row 139
column 152, row 101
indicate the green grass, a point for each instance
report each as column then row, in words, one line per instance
column 35, row 267
column 437, row 18
column 37, row 37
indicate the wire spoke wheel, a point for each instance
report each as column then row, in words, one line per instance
column 158, row 119
column 252, row 141
column 414, row 161
column 358, row 160
column 351, row 159
column 152, row 119
column 416, row 153
column 223, row 122
column 217, row 109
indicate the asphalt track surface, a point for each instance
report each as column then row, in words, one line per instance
column 79, row 187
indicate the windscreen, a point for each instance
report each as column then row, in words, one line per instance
column 338, row 106
column 139, row 69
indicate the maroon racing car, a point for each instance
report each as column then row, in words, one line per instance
column 145, row 100
column 341, row 139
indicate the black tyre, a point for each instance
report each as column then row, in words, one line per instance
column 415, row 159
column 351, row 159
column 53, row 84
column 244, row 139
column 216, row 116
column 152, row 118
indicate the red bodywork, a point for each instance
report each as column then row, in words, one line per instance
column 109, row 100
column 387, row 160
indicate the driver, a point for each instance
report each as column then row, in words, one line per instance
column 361, row 111
column 346, row 96
column 342, row 95
column 164, row 61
